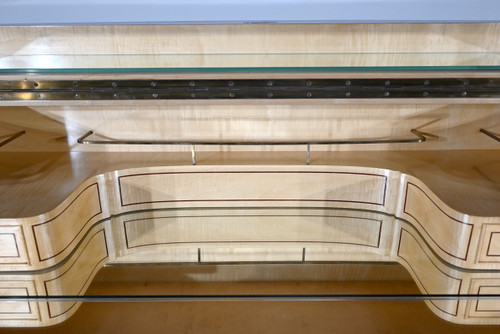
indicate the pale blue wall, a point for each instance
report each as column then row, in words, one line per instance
column 39, row 12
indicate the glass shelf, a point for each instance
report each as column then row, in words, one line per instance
column 255, row 62
column 365, row 256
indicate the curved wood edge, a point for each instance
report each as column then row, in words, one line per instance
column 398, row 241
column 432, row 276
column 45, row 240
column 71, row 278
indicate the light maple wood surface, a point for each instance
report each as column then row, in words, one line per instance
column 72, row 277
column 44, row 240
column 207, row 40
column 213, row 47
column 67, row 209
column 467, row 181
column 259, row 235
column 255, row 317
column 450, row 127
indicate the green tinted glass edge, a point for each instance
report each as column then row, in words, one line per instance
column 247, row 69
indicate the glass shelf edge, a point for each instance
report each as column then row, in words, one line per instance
column 248, row 69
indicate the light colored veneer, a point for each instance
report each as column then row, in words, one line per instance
column 71, row 277
column 454, row 236
column 67, row 209
column 254, row 235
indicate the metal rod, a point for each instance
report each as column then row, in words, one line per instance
column 308, row 159
column 420, row 138
column 489, row 134
column 193, row 155
column 219, row 298
column 11, row 138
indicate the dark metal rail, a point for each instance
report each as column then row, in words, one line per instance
column 269, row 297
column 250, row 89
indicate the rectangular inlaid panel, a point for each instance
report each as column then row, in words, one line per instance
column 76, row 276
column 488, row 305
column 12, row 245
column 303, row 187
column 489, row 247
column 17, row 307
column 262, row 228
column 431, row 278
column 484, row 308
column 450, row 235
column 18, row 310
column 56, row 235
column 8, row 245
column 494, row 244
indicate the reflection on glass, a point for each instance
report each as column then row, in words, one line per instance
column 249, row 62
column 303, row 242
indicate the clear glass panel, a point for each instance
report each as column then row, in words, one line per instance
column 247, row 256
column 249, row 62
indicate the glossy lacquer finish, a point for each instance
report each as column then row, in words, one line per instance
column 71, row 204
column 194, row 214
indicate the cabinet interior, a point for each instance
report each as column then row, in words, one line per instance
column 193, row 206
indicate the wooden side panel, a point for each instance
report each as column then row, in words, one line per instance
column 430, row 216
column 74, row 277
column 430, row 275
column 55, row 236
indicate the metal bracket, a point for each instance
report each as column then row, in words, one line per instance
column 420, row 138
column 490, row 134
column 11, row 138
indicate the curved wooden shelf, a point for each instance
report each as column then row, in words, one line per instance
column 259, row 234
column 39, row 242
column 122, row 214
column 66, row 210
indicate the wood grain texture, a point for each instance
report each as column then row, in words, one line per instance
column 453, row 127
column 83, row 210
column 250, row 317
column 434, row 221
column 429, row 276
column 55, row 193
column 454, row 236
column 71, row 277
column 247, row 46
column 12, row 245
column 73, row 280
column 467, row 181
column 221, row 240
column 250, row 39
column 232, row 235
column 484, row 308
column 299, row 185
column 22, row 313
